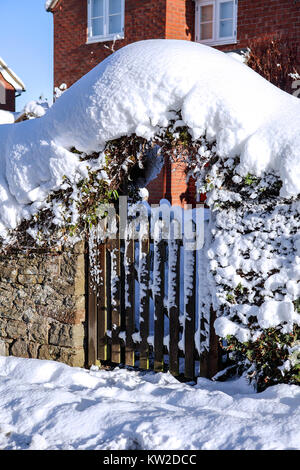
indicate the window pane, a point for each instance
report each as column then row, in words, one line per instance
column 114, row 6
column 226, row 10
column 97, row 8
column 226, row 29
column 206, row 13
column 97, row 27
column 115, row 24
column 206, row 31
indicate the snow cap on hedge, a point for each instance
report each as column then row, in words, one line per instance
column 133, row 91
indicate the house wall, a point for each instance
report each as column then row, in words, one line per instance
column 171, row 184
column 43, row 305
column 171, row 19
column 8, row 104
column 73, row 58
column 180, row 19
column 260, row 17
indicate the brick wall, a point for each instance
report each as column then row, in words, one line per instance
column 171, row 184
column 10, row 99
column 260, row 17
column 180, row 19
column 146, row 19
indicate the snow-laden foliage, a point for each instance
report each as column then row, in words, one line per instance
column 135, row 91
column 253, row 267
column 276, row 59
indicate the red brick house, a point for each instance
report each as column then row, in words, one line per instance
column 82, row 29
column 10, row 87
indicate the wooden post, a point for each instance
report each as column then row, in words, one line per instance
column 213, row 354
column 174, row 293
column 114, row 248
column 102, row 304
column 144, row 301
column 209, row 360
column 130, row 301
column 190, row 321
column 159, row 295
column 92, row 314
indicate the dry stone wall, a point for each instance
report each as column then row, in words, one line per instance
column 43, row 305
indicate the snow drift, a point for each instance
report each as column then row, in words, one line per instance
column 6, row 117
column 45, row 405
column 135, row 90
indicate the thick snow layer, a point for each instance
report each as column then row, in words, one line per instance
column 6, row 117
column 47, row 405
column 35, row 109
column 273, row 313
column 135, row 90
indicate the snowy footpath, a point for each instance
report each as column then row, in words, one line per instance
column 47, row 405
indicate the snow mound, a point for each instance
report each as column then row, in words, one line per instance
column 135, row 90
column 6, row 117
column 35, row 109
column 47, row 405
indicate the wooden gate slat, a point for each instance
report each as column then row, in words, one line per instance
column 130, row 301
column 92, row 323
column 144, row 267
column 214, row 353
column 190, row 306
column 114, row 248
column 174, row 294
column 102, row 304
column 158, row 278
column 92, row 305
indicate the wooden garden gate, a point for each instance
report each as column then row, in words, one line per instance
column 142, row 306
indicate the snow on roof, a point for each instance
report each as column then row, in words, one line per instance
column 49, row 4
column 11, row 77
column 133, row 91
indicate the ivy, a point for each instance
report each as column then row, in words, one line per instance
column 268, row 353
column 249, row 180
column 297, row 305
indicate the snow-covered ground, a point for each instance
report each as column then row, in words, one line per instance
column 47, row 405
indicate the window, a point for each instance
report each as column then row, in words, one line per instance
column 105, row 20
column 216, row 21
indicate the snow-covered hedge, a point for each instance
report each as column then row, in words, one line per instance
column 240, row 138
column 253, row 267
column 136, row 91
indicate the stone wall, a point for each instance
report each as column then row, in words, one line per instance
column 43, row 305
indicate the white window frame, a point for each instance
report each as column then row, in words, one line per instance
column 105, row 36
column 216, row 40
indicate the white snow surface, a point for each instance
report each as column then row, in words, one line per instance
column 135, row 90
column 6, row 117
column 35, row 108
column 48, row 405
